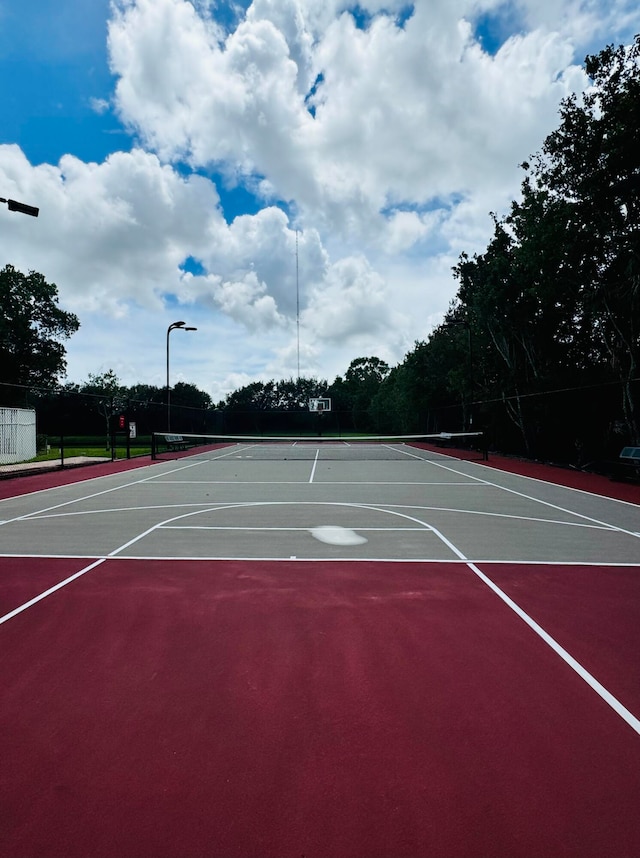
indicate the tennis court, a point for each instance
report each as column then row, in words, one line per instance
column 319, row 649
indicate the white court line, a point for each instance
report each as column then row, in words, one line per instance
column 156, row 464
column 546, row 503
column 323, row 484
column 89, row 496
column 594, row 525
column 575, row 665
column 582, row 672
column 315, row 462
column 251, row 528
column 63, row 486
column 76, row 575
column 548, row 483
column 587, row 677
column 73, row 577
column 213, row 505
column 526, row 519
column 190, row 558
column 51, row 590
column 79, row 513
column 245, row 504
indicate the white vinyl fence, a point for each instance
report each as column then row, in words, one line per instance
column 17, row 435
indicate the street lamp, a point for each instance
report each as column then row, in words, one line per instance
column 15, row 206
column 172, row 327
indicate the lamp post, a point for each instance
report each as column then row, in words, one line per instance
column 15, row 206
column 172, row 327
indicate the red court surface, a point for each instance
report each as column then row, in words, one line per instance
column 165, row 708
column 591, row 611
column 12, row 486
column 181, row 708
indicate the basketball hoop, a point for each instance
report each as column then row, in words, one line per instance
column 320, row 404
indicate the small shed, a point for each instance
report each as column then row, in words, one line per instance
column 17, row 435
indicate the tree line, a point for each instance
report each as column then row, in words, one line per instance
column 540, row 346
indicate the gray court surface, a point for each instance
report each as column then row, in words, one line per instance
column 229, row 505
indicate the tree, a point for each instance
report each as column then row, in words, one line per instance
column 110, row 396
column 367, row 371
column 31, row 323
column 592, row 162
column 285, row 395
column 147, row 394
column 187, row 395
column 356, row 392
column 256, row 396
column 557, row 291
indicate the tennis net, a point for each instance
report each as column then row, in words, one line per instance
column 469, row 446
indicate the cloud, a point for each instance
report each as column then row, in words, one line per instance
column 402, row 114
column 245, row 300
column 99, row 105
column 110, row 233
column 384, row 137
column 352, row 303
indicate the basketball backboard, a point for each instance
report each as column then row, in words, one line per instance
column 320, row 404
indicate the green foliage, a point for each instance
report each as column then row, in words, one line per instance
column 147, row 394
column 108, row 394
column 555, row 298
column 356, row 393
column 592, row 163
column 31, row 325
column 106, row 385
column 287, row 395
column 189, row 396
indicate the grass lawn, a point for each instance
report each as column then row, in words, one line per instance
column 98, row 451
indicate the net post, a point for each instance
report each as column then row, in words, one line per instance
column 154, row 451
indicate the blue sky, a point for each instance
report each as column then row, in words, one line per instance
column 177, row 150
column 53, row 61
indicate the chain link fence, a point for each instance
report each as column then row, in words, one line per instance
column 580, row 427
column 65, row 427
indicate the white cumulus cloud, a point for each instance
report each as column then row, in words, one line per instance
column 373, row 144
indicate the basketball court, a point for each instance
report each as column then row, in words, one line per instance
column 319, row 648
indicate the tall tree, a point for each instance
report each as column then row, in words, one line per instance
column 558, row 289
column 31, row 326
column 514, row 298
column 356, row 392
column 592, row 162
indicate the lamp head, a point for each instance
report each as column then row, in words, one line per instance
column 15, row 206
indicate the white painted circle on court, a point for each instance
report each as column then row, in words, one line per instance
column 334, row 535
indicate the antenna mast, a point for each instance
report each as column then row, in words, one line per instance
column 298, row 303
